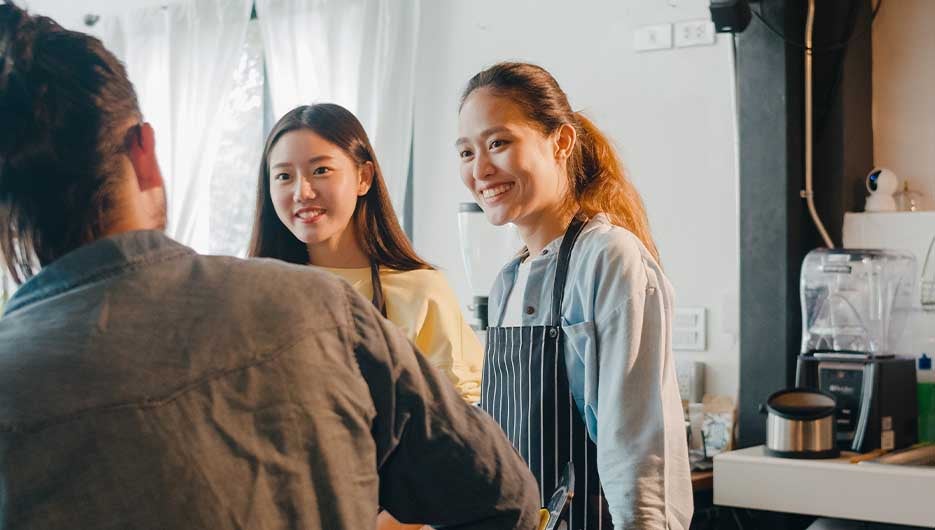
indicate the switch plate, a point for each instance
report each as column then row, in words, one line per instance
column 656, row 37
column 689, row 329
column 694, row 33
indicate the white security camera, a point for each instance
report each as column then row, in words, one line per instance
column 882, row 184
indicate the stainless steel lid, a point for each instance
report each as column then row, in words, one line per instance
column 801, row 404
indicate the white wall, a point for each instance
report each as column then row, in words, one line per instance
column 903, row 100
column 904, row 127
column 671, row 112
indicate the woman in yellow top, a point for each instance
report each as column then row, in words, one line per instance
column 322, row 200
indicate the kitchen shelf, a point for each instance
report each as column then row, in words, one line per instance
column 748, row 478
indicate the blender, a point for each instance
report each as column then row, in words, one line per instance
column 855, row 306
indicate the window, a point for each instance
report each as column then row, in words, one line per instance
column 232, row 198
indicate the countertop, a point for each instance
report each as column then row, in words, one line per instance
column 748, row 478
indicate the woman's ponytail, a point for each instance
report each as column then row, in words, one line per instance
column 601, row 184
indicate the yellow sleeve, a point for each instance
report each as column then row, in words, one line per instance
column 447, row 341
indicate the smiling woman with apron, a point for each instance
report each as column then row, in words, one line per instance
column 578, row 366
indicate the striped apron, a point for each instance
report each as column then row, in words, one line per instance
column 525, row 388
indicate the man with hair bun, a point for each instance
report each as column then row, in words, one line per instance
column 145, row 386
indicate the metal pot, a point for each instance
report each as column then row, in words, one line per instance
column 800, row 424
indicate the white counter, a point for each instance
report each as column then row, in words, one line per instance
column 748, row 478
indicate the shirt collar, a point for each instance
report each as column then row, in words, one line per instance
column 555, row 245
column 94, row 261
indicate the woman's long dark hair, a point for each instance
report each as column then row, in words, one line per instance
column 378, row 230
column 65, row 102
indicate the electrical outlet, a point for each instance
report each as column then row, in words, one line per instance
column 657, row 37
column 694, row 33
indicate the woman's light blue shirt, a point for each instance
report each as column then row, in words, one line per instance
column 616, row 315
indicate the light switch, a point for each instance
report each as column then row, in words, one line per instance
column 689, row 329
column 656, row 37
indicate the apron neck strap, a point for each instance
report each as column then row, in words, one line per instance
column 377, row 299
column 561, row 272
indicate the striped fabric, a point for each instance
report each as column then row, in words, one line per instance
column 525, row 388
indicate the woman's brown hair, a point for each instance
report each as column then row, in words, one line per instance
column 378, row 230
column 597, row 179
column 65, row 102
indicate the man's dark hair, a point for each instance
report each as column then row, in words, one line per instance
column 65, row 104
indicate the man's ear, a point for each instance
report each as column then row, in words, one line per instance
column 142, row 154
column 366, row 178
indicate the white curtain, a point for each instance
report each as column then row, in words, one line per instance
column 181, row 58
column 357, row 53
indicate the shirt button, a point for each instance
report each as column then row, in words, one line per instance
column 545, row 251
column 530, row 310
